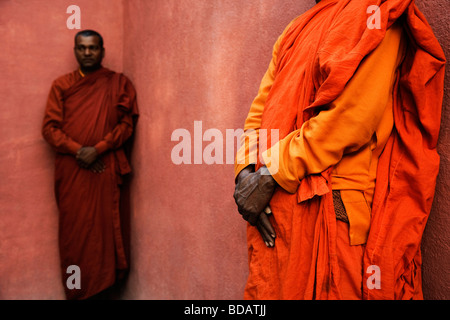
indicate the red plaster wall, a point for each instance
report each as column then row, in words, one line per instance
column 436, row 239
column 190, row 61
column 36, row 48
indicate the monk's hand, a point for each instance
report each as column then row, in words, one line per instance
column 253, row 192
column 86, row 156
column 265, row 228
column 98, row 166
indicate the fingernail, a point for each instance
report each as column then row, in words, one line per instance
column 267, row 244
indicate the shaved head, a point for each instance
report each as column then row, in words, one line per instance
column 90, row 33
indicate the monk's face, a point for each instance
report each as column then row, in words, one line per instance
column 89, row 53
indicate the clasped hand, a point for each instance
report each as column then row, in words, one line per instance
column 252, row 194
column 87, row 158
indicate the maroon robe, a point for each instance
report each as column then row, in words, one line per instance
column 98, row 110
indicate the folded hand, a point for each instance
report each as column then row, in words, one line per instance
column 86, row 156
column 253, row 192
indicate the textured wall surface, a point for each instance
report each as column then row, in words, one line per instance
column 190, row 61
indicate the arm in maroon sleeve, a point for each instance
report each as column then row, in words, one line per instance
column 124, row 128
column 115, row 138
column 51, row 129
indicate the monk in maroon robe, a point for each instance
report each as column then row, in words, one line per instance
column 89, row 120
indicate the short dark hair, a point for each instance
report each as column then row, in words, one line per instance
column 89, row 33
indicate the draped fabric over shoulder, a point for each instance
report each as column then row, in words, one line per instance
column 315, row 61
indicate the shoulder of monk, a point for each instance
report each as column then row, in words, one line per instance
column 118, row 75
column 67, row 80
column 122, row 76
column 123, row 80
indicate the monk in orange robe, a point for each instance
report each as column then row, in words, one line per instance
column 337, row 203
column 89, row 120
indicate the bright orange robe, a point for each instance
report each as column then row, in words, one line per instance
column 314, row 83
column 360, row 122
column 98, row 110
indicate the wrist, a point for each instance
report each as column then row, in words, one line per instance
column 101, row 147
